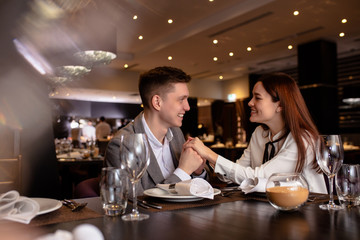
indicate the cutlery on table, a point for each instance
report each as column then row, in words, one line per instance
column 74, row 206
column 150, row 204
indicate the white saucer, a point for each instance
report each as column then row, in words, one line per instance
column 47, row 205
column 164, row 195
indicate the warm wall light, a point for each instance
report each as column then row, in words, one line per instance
column 215, row 41
column 290, row 47
column 248, row 49
column 231, row 97
column 215, row 59
column 170, row 21
column 141, row 37
column 231, row 54
column 169, row 58
column 296, row 13
column 344, row 20
column 126, row 65
column 341, row 34
column 135, row 17
column 221, row 77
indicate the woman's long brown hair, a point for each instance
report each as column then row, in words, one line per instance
column 298, row 121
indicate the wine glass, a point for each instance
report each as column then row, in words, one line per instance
column 135, row 158
column 330, row 156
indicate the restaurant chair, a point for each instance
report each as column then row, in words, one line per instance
column 10, row 174
column 87, row 188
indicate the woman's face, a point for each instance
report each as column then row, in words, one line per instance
column 263, row 109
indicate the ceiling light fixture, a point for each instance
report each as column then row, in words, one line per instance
column 170, row 21
column 221, row 77
column 71, row 71
column 248, row 49
column 169, row 58
column 215, row 59
column 141, row 37
column 135, row 17
column 296, row 13
column 344, row 20
column 341, row 34
column 290, row 47
column 215, row 41
column 91, row 58
column 231, row 54
column 126, row 65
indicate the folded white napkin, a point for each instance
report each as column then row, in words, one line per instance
column 16, row 208
column 250, row 185
column 196, row 187
column 82, row 232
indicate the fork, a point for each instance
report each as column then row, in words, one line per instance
column 74, row 206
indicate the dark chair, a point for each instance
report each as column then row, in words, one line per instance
column 88, row 188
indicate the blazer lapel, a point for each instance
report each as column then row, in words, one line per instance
column 153, row 169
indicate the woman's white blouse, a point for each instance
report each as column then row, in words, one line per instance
column 286, row 154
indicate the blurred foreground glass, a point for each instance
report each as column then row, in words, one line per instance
column 287, row 191
column 114, row 188
column 135, row 158
column 347, row 183
column 330, row 156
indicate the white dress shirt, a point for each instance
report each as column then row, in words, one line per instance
column 285, row 159
column 163, row 155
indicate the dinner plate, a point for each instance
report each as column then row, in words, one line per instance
column 164, row 195
column 47, row 205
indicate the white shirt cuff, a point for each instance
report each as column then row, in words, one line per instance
column 182, row 174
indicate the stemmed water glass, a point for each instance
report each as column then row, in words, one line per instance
column 135, row 158
column 330, row 156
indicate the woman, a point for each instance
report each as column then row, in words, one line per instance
column 284, row 141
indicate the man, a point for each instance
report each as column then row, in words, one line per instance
column 164, row 95
column 103, row 129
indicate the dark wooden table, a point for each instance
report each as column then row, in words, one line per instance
column 233, row 220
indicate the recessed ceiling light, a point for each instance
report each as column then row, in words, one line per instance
column 211, row 0
column 296, row 13
column 126, row 65
column 215, row 41
column 135, row 17
column 231, row 54
column 248, row 49
column 170, row 21
column 169, row 58
column 344, row 20
column 290, row 47
column 341, row 34
column 141, row 37
column 215, row 59
column 221, row 77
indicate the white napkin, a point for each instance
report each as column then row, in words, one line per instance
column 250, row 185
column 82, row 232
column 196, row 187
column 13, row 207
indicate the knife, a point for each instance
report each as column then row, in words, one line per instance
column 150, row 204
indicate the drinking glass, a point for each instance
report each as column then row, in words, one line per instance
column 114, row 190
column 135, row 158
column 330, row 156
column 347, row 183
column 287, row 191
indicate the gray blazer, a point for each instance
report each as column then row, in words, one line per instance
column 153, row 174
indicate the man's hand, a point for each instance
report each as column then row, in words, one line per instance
column 190, row 161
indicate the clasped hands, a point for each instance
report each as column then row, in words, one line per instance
column 194, row 155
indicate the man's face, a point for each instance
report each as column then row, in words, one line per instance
column 174, row 105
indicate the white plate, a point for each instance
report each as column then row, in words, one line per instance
column 159, row 193
column 47, row 205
